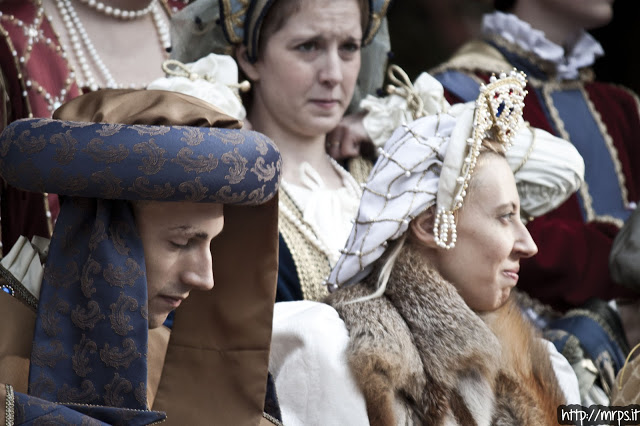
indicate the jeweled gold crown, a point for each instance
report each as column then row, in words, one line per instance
column 498, row 116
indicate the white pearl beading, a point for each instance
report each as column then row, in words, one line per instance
column 444, row 229
column 499, row 109
column 78, row 37
column 116, row 12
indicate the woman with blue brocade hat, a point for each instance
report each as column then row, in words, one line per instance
column 162, row 192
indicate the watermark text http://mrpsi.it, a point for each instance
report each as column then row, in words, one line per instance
column 598, row 415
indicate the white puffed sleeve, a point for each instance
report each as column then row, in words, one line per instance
column 566, row 376
column 308, row 362
column 384, row 115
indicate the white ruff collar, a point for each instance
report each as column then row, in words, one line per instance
column 508, row 26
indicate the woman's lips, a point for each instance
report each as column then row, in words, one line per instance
column 325, row 103
column 512, row 274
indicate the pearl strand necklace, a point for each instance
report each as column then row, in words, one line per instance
column 116, row 12
column 78, row 36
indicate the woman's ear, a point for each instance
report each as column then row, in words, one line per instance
column 422, row 228
column 249, row 69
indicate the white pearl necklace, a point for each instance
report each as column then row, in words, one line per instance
column 116, row 12
column 78, row 37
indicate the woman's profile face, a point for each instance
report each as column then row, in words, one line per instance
column 485, row 261
column 306, row 72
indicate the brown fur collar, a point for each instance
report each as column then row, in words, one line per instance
column 421, row 356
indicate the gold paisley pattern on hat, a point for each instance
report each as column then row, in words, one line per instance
column 85, row 395
column 109, row 129
column 227, row 196
column 111, row 184
column 144, row 310
column 120, row 357
column 151, row 130
column 192, row 136
column 90, row 268
column 141, row 393
column 67, row 150
column 49, row 355
column 115, row 389
column 42, row 384
column 67, row 183
column 66, row 240
column 256, row 194
column 31, row 144
column 110, row 154
column 41, row 122
column 261, row 146
column 62, row 277
column 238, row 168
column 199, row 164
column 195, row 188
column 87, row 318
column 154, row 161
column 49, row 318
column 98, row 234
column 80, row 359
column 119, row 231
column 118, row 276
column 232, row 138
column 264, row 172
column 73, row 124
column 120, row 321
column 140, row 187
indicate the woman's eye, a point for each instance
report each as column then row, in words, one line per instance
column 308, row 46
column 508, row 217
column 351, row 47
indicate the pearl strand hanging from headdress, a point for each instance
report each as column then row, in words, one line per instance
column 78, row 37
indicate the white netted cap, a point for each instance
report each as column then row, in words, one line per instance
column 430, row 159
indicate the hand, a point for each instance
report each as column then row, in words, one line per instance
column 349, row 139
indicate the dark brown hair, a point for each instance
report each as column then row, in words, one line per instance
column 504, row 5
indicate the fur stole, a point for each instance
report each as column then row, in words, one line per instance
column 422, row 356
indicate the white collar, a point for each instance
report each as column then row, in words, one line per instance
column 508, row 26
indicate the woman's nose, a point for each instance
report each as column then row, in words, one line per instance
column 331, row 71
column 525, row 246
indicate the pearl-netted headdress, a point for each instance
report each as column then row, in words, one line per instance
column 425, row 162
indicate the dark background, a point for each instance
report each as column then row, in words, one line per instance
column 425, row 33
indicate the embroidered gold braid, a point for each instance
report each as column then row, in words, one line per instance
column 311, row 264
column 9, row 414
